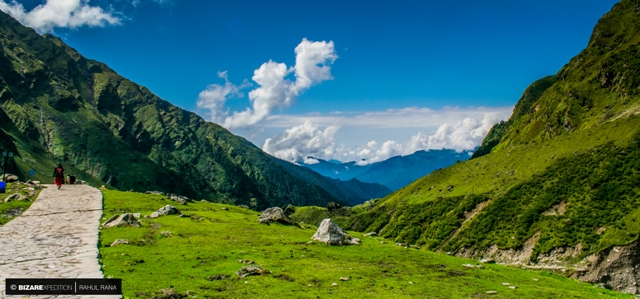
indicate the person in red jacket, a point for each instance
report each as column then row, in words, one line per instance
column 58, row 175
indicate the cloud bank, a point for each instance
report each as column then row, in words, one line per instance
column 60, row 14
column 274, row 90
column 300, row 142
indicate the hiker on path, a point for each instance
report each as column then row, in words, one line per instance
column 58, row 175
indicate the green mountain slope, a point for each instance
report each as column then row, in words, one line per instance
column 556, row 184
column 66, row 108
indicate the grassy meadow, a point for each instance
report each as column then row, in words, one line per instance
column 201, row 249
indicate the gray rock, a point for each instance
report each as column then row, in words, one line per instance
column 245, row 261
column 275, row 214
column 166, row 210
column 251, row 270
column 488, row 261
column 15, row 197
column 166, row 233
column 120, row 241
column 10, row 178
column 122, row 220
column 371, row 234
column 178, row 198
column 137, row 215
column 330, row 233
column 271, row 214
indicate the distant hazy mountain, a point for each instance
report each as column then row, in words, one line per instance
column 395, row 172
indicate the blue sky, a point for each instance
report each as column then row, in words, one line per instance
column 394, row 76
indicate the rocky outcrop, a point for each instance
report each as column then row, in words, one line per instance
column 121, row 220
column 330, row 233
column 520, row 256
column 615, row 268
column 557, row 210
column 275, row 214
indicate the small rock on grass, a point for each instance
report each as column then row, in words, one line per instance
column 470, row 266
column 120, row 241
column 331, row 234
column 492, row 293
column 217, row 277
column 488, row 261
column 16, row 197
column 334, row 284
column 121, row 220
column 251, row 270
column 166, row 210
column 345, row 278
column 245, row 261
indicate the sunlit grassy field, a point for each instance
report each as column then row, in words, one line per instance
column 213, row 240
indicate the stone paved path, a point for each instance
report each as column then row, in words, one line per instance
column 56, row 237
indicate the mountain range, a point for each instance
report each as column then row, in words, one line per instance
column 395, row 172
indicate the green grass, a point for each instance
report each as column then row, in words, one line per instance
column 23, row 204
column 212, row 243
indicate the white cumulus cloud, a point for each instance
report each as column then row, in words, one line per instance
column 300, row 142
column 215, row 95
column 60, row 14
column 275, row 90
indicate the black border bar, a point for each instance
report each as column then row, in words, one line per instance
column 63, row 286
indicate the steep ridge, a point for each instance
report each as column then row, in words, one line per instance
column 553, row 187
column 66, row 108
